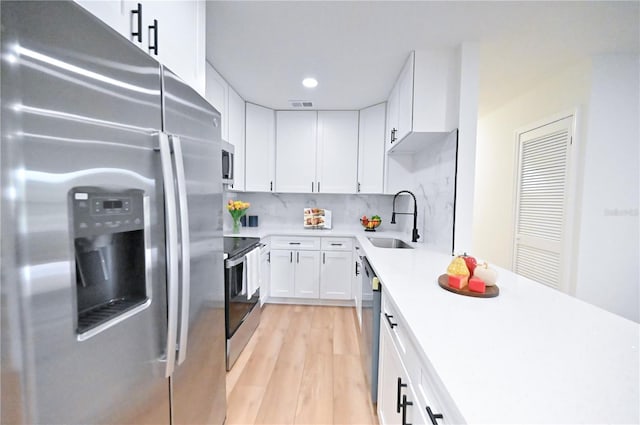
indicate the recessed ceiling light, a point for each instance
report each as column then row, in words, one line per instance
column 310, row 82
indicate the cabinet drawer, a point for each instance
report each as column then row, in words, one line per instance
column 431, row 393
column 337, row 244
column 392, row 319
column 295, row 242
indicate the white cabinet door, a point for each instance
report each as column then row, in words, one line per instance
column 216, row 93
column 260, row 149
column 389, row 372
column 335, row 275
column 337, row 161
column 282, row 273
column 392, row 118
column 180, row 37
column 371, row 149
column 114, row 13
column 307, row 274
column 405, row 99
column 296, row 151
column 236, row 136
column 180, row 32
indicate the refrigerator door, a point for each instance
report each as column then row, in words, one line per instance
column 81, row 107
column 198, row 382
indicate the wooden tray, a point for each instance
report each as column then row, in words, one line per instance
column 491, row 291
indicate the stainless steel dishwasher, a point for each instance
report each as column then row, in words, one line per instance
column 370, row 330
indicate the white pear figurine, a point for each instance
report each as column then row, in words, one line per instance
column 488, row 275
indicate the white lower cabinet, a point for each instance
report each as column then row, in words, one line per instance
column 307, row 271
column 282, row 273
column 294, row 273
column 408, row 391
column 311, row 268
column 397, row 400
column 335, row 275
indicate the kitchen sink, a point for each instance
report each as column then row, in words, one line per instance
column 389, row 243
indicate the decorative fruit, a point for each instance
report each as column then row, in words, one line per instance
column 458, row 267
column 364, row 220
column 487, row 274
column 470, row 262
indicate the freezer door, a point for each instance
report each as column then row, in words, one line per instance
column 80, row 107
column 198, row 382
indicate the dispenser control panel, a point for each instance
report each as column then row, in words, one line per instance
column 98, row 211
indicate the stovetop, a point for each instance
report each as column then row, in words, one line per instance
column 234, row 246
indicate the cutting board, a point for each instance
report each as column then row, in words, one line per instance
column 490, row 292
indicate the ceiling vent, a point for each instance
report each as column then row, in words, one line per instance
column 301, row 103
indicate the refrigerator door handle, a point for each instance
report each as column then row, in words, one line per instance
column 185, row 280
column 171, row 225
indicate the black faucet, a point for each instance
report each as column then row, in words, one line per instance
column 414, row 235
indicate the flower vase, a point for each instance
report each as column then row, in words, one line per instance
column 236, row 225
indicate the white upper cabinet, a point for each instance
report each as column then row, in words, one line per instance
column 236, row 113
column 371, row 150
column 114, row 13
column 173, row 32
column 260, row 143
column 337, row 158
column 217, row 93
column 316, row 152
column 296, row 151
column 424, row 102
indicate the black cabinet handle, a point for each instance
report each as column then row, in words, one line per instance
column 323, row 258
column 291, row 257
column 434, row 416
column 391, row 324
column 294, row 243
column 405, row 403
column 271, row 186
column 357, row 269
column 154, row 48
column 318, row 187
column 268, row 257
column 297, row 257
column 393, row 134
column 400, row 387
column 358, row 187
column 137, row 34
column 311, row 187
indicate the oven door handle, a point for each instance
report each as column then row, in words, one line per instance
column 228, row 264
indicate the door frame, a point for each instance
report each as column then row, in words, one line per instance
column 568, row 261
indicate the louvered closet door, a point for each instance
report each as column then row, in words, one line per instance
column 541, row 203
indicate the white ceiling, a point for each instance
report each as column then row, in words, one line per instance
column 356, row 49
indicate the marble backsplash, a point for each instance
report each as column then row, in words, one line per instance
column 278, row 209
column 432, row 179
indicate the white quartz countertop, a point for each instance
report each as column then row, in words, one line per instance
column 530, row 355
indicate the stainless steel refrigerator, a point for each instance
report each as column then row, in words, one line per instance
column 112, row 295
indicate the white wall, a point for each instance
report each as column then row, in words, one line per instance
column 605, row 262
column 608, row 247
column 494, row 195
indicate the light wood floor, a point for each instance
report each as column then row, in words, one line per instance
column 302, row 366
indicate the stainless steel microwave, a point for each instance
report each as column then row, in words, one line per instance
column 228, row 152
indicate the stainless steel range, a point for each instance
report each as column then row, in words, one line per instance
column 242, row 309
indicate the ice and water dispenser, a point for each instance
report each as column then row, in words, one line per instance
column 109, row 244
